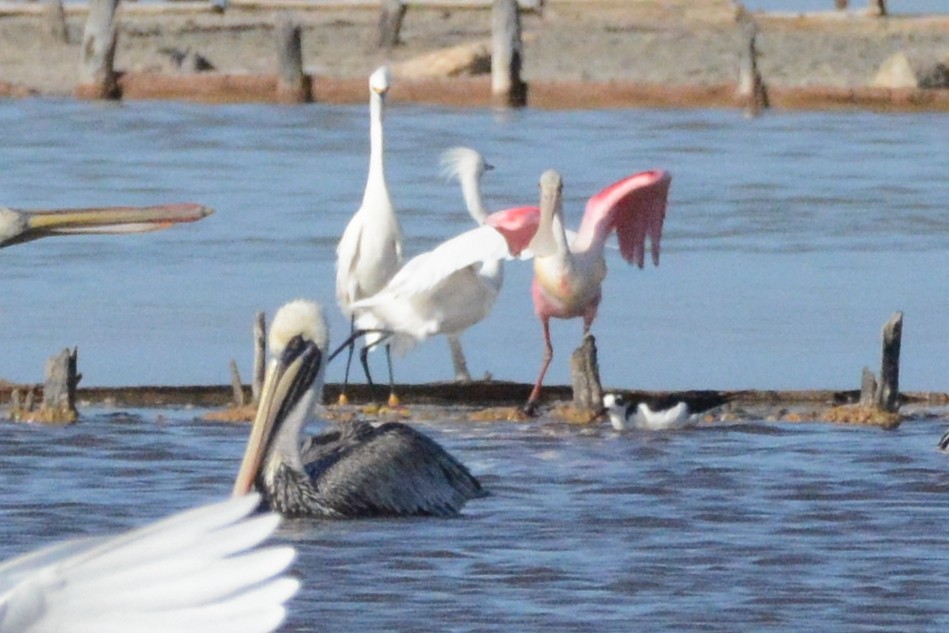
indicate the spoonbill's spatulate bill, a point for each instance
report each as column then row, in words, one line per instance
column 568, row 276
column 20, row 225
column 198, row 571
column 354, row 470
column 370, row 250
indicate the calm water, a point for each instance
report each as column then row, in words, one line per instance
column 750, row 527
column 789, row 241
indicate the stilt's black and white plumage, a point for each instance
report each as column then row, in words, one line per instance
column 625, row 415
column 354, row 470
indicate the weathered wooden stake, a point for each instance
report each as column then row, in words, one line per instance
column 260, row 356
column 868, row 388
column 507, row 88
column 293, row 85
column 841, row 5
column 752, row 93
column 237, row 388
column 97, row 77
column 391, row 14
column 59, row 388
column 56, row 21
column 888, row 390
column 878, row 8
column 585, row 376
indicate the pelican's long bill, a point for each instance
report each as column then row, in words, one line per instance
column 18, row 226
column 288, row 380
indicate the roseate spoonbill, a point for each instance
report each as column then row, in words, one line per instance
column 568, row 276
column 431, row 294
column 196, row 571
column 623, row 415
column 355, row 470
column 19, row 225
column 370, row 250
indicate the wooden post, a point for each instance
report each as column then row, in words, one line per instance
column 237, row 388
column 840, row 5
column 293, row 85
column 260, row 356
column 752, row 93
column 391, row 14
column 59, row 388
column 868, row 388
column 507, row 88
column 97, row 77
column 877, row 8
column 585, row 376
column 888, row 390
column 56, row 21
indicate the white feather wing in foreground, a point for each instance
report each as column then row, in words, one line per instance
column 194, row 571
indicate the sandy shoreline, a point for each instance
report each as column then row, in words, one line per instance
column 690, row 48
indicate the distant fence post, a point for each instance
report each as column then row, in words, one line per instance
column 56, row 21
column 260, row 356
column 97, row 77
column 507, row 88
column 391, row 14
column 840, row 5
column 878, row 8
column 752, row 93
column 293, row 85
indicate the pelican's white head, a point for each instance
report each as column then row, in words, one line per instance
column 380, row 80
column 301, row 318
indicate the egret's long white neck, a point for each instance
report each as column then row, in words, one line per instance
column 471, row 190
column 376, row 180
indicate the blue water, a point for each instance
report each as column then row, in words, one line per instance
column 759, row 527
column 789, row 242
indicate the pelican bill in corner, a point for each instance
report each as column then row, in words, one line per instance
column 20, row 225
column 354, row 470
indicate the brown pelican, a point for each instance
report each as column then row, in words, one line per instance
column 355, row 470
column 18, row 226
column 196, row 571
column 370, row 250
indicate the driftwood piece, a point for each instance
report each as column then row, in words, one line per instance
column 237, row 389
column 391, row 14
column 585, row 376
column 56, row 21
column 97, row 76
column 293, row 85
column 752, row 93
column 507, row 87
column 260, row 356
column 888, row 390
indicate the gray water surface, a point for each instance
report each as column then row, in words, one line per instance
column 789, row 240
column 752, row 527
